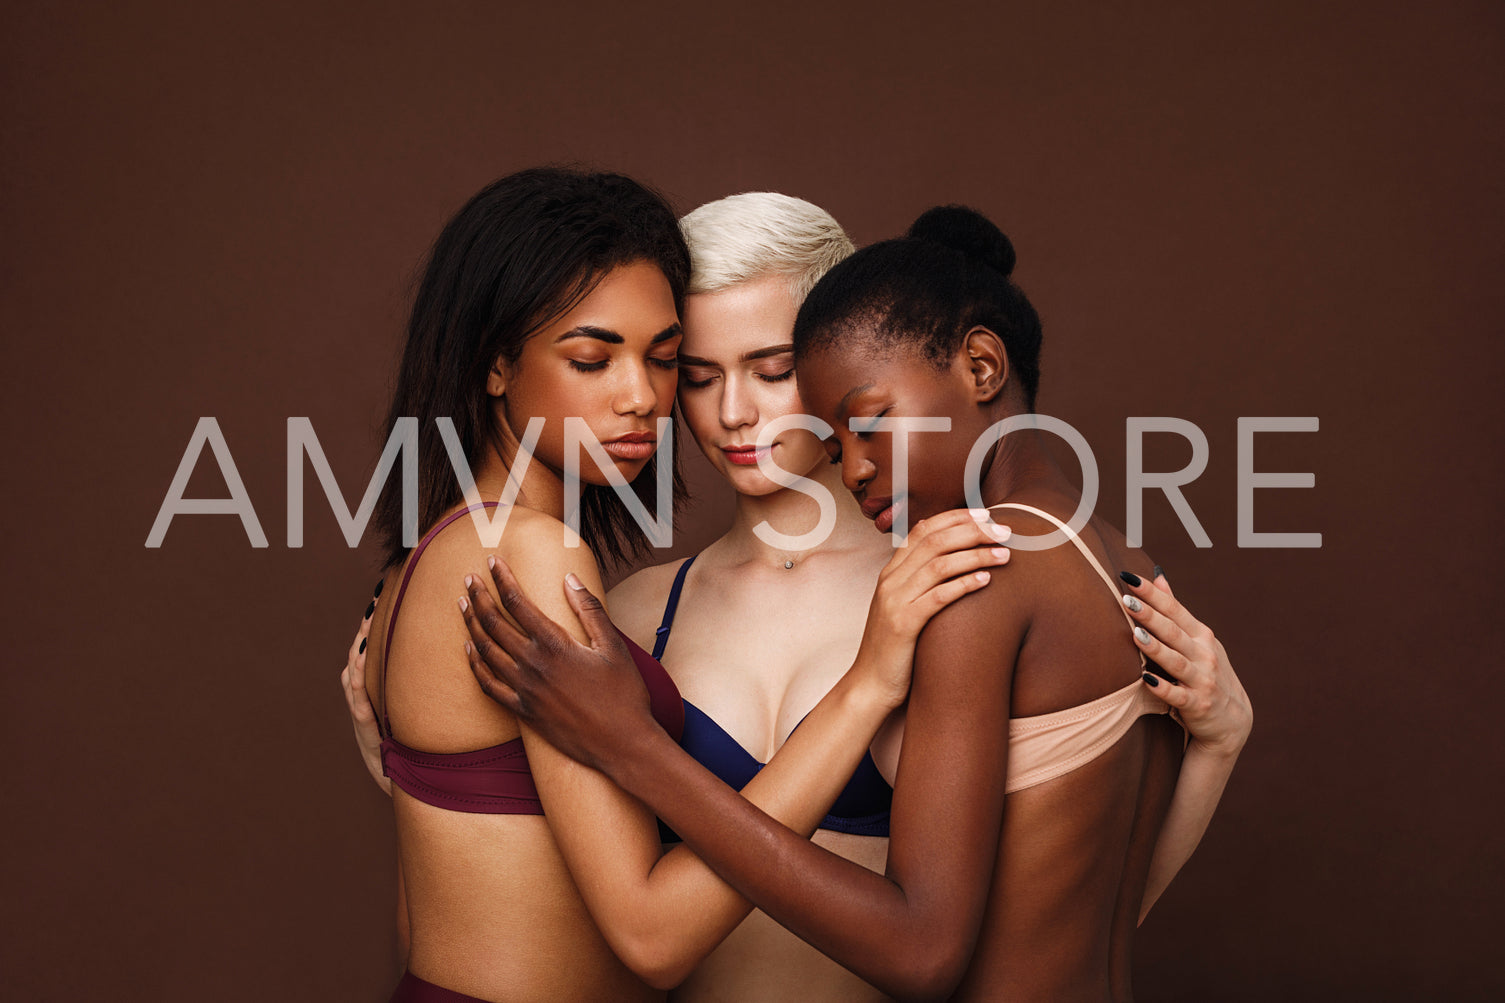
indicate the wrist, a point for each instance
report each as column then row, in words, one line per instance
column 635, row 759
column 866, row 691
column 1224, row 749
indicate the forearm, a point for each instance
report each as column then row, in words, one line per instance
column 812, row 767
column 865, row 921
column 1204, row 774
column 689, row 905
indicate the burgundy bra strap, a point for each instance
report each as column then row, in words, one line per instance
column 385, row 724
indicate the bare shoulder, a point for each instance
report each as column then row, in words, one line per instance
column 437, row 705
column 637, row 602
column 460, row 548
column 986, row 629
column 538, row 548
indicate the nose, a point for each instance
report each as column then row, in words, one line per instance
column 856, row 470
column 738, row 409
column 636, row 393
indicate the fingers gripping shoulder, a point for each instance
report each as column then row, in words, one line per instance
column 541, row 551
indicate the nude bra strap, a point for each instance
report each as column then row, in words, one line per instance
column 1082, row 547
column 661, row 635
column 386, row 651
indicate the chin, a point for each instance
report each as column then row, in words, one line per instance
column 749, row 481
column 596, row 477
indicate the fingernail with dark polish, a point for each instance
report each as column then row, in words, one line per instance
column 1150, row 678
column 362, row 649
column 376, row 592
column 1159, row 571
column 1131, row 578
column 371, row 609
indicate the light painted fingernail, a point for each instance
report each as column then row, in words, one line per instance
column 464, row 605
column 467, row 647
column 491, row 563
column 573, row 582
column 983, row 576
column 469, row 580
column 999, row 552
column 1134, row 604
column 1000, row 533
column 1141, row 635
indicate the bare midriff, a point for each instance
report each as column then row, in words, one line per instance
column 761, row 962
column 493, row 911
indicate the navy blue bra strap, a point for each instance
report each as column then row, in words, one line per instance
column 661, row 636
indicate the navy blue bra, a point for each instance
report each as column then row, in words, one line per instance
column 862, row 807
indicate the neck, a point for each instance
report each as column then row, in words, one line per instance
column 1020, row 461
column 793, row 513
column 542, row 489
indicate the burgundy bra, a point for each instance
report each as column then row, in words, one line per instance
column 496, row 780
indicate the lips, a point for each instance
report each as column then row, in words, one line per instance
column 744, row 456
column 632, row 446
column 882, row 511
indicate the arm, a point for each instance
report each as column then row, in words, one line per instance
column 1215, row 710
column 663, row 914
column 910, row 932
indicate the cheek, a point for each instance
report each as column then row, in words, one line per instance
column 805, row 452
column 936, row 473
column 780, row 399
column 552, row 396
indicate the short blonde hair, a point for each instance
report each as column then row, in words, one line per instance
column 744, row 237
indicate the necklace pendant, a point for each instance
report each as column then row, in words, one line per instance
column 788, row 565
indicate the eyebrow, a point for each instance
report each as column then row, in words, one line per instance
column 613, row 338
column 841, row 408
column 763, row 353
column 753, row 356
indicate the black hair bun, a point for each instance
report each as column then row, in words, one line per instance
column 967, row 231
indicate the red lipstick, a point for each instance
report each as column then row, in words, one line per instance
column 744, row 456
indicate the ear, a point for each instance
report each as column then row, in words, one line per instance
column 987, row 363
column 498, row 378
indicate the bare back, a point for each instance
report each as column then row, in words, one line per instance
column 1075, row 850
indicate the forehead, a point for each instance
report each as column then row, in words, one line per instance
column 722, row 326
column 634, row 300
column 837, row 380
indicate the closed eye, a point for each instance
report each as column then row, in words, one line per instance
column 867, row 429
column 588, row 367
column 776, row 377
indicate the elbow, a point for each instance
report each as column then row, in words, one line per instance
column 928, row 972
column 654, row 959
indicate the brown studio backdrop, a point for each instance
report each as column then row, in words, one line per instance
column 1289, row 209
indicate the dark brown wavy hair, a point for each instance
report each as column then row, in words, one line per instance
column 518, row 256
